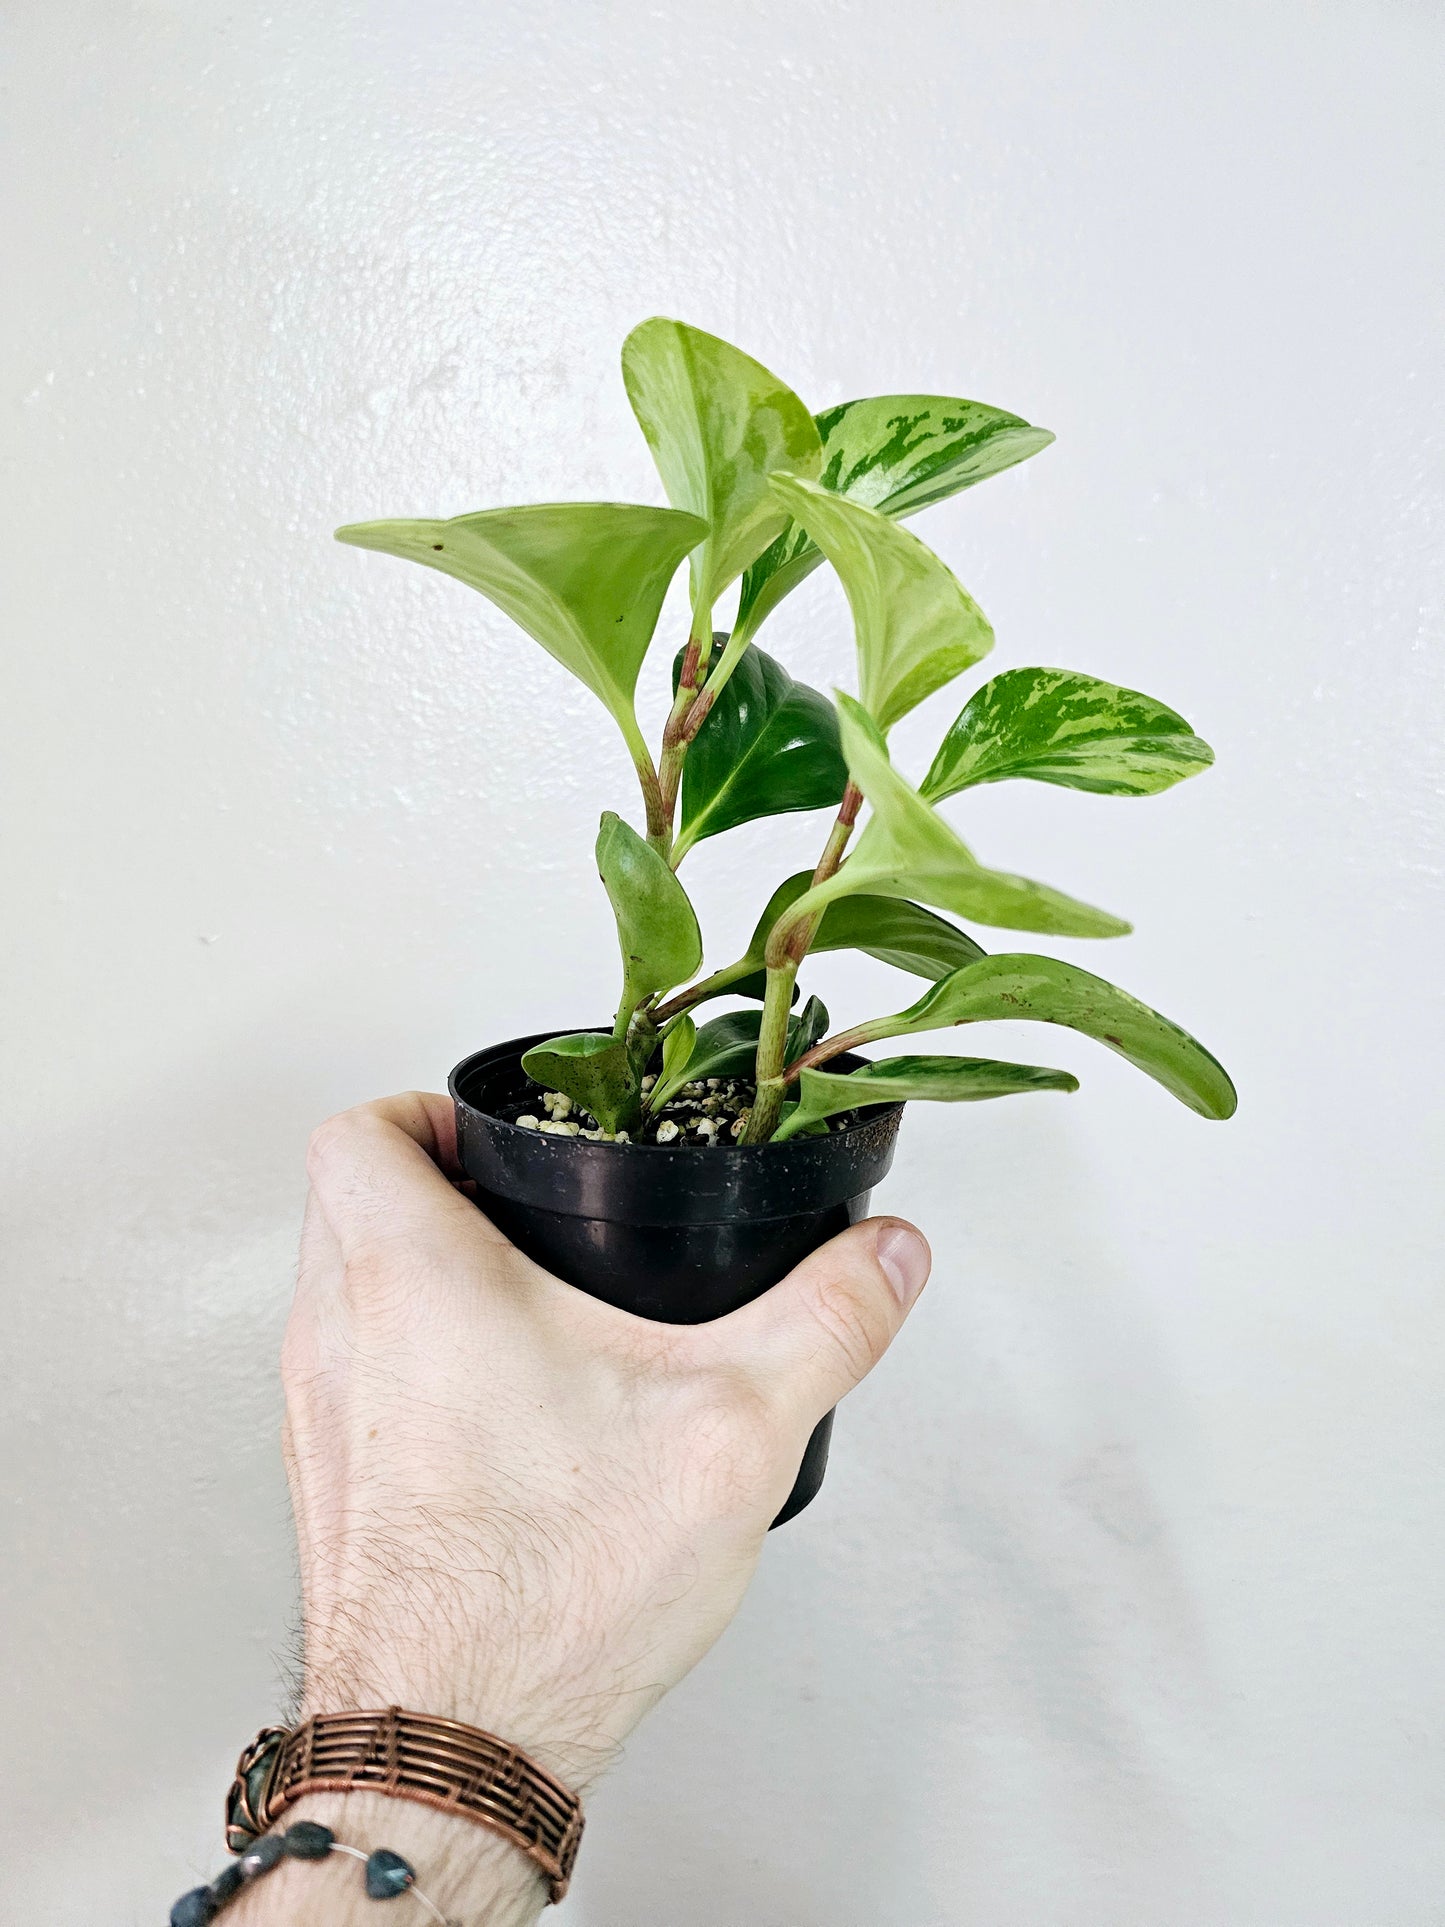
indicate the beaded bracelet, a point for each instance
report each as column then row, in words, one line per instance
column 387, row 1874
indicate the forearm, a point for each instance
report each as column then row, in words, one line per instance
column 477, row 1878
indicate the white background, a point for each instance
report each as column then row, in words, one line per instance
column 1123, row 1602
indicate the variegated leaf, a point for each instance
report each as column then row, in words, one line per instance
column 585, row 579
column 899, row 1080
column 1055, row 726
column 718, row 424
column 915, row 624
column 897, row 453
column 1045, row 991
column 907, row 850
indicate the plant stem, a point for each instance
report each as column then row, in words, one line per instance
column 793, row 939
column 839, row 834
column 680, row 727
column 726, row 663
column 782, row 974
column 659, row 822
column 659, row 819
column 772, row 1050
column 706, row 987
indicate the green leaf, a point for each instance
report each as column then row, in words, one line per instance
column 1058, row 727
column 596, row 1071
column 897, row 1080
column 678, row 1043
column 916, row 626
column 585, row 579
column 889, row 928
column 907, row 850
column 769, row 746
column 656, row 927
column 1043, row 990
column 727, row 1046
column 897, row 453
column 718, row 424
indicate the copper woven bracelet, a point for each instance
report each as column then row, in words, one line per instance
column 410, row 1756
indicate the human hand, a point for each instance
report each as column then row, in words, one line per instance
column 515, row 1505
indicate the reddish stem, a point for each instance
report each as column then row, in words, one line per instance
column 794, row 946
column 830, row 1047
column 676, row 735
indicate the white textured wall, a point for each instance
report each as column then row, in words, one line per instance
column 1123, row 1604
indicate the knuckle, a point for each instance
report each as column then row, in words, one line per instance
column 849, row 1318
column 343, row 1138
column 381, row 1283
column 326, row 1140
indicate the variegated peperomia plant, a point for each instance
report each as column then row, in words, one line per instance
column 764, row 491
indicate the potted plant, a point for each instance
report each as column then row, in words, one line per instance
column 674, row 1163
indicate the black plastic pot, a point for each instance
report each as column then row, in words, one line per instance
column 679, row 1236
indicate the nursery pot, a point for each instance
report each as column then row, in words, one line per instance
column 681, row 1236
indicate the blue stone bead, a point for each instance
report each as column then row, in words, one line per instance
column 261, row 1856
column 195, row 1909
column 387, row 1875
column 226, row 1885
column 308, row 1840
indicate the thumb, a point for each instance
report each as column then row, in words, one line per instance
column 823, row 1328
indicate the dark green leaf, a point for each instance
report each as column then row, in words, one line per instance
column 1043, row 990
column 725, row 1047
column 585, row 579
column 656, row 928
column 769, row 747
column 897, row 1080
column 889, row 928
column 755, row 984
column 809, row 1027
column 718, row 424
column 594, row 1070
column 783, row 898
column 896, row 932
column 896, row 453
column 1058, row 727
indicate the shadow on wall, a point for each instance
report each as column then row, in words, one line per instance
column 985, row 1602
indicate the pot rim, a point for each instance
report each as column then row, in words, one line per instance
column 869, row 1115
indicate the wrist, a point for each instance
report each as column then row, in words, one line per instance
column 559, row 1719
column 472, row 1874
